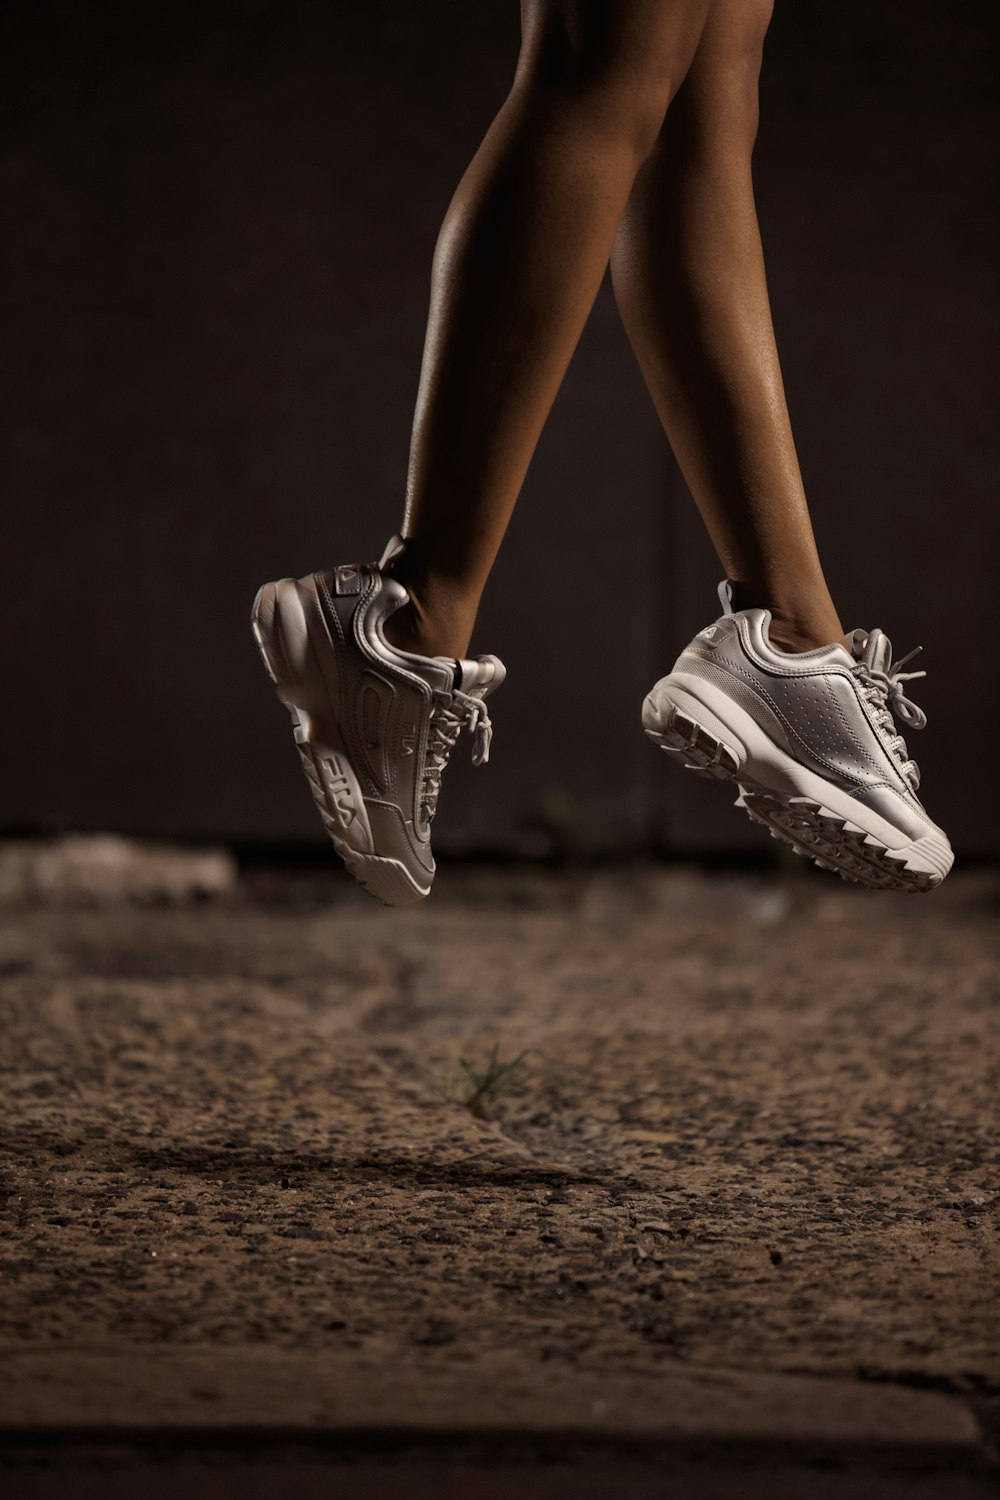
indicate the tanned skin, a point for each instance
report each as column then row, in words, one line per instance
column 626, row 138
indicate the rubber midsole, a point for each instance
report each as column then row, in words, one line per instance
column 766, row 763
column 387, row 878
column 284, row 636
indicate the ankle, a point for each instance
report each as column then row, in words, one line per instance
column 790, row 641
column 440, row 614
column 793, row 632
column 797, row 624
column 409, row 630
column 436, row 621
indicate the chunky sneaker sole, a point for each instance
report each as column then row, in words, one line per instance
column 807, row 739
column 280, row 627
column 373, row 725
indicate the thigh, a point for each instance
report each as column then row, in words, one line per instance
column 733, row 34
column 719, row 97
column 614, row 43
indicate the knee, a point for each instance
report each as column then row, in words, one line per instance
column 726, row 72
column 742, row 90
column 597, row 77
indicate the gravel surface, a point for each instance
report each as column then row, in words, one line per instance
column 608, row 1120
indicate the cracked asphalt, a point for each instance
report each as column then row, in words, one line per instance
column 611, row 1120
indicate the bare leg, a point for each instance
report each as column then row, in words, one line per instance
column 689, row 277
column 519, row 261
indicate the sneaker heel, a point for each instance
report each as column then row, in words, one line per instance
column 691, row 735
column 282, row 635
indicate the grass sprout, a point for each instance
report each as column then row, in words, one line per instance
column 478, row 1086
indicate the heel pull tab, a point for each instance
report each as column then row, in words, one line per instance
column 727, row 595
column 348, row 579
column 393, row 547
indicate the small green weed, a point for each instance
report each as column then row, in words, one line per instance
column 476, row 1088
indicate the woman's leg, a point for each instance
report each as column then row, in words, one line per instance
column 519, row 261
column 689, row 278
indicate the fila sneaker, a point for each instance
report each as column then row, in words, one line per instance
column 374, row 725
column 810, row 740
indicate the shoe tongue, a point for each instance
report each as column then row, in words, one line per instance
column 873, row 648
column 437, row 671
column 478, row 674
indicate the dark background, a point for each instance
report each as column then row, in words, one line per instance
column 218, row 227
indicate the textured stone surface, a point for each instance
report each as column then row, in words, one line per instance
column 199, row 1390
column 754, row 1127
column 101, row 869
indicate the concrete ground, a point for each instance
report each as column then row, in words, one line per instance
column 632, row 1181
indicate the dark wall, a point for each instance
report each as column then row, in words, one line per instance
column 219, row 221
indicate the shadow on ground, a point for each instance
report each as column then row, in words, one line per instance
column 625, row 1126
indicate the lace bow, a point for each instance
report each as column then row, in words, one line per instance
column 883, row 688
column 452, row 713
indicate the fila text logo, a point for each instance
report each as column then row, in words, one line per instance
column 339, row 788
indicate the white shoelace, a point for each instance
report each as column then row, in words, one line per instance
column 452, row 713
column 884, row 691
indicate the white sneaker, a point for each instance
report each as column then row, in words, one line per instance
column 810, row 739
column 374, row 725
